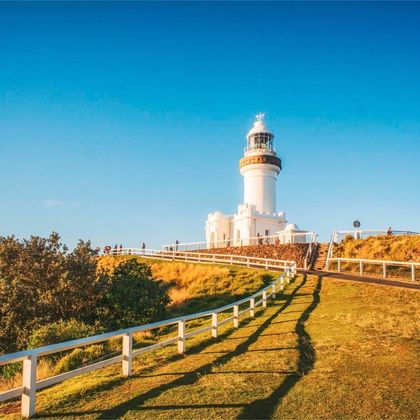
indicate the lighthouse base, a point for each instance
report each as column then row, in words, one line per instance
column 249, row 227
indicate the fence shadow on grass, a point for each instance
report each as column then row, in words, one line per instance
column 264, row 408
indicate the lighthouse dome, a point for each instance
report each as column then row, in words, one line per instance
column 259, row 127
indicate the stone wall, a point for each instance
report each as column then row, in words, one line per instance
column 294, row 252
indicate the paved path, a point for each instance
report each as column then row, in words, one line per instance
column 363, row 279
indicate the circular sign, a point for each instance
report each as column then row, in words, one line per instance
column 356, row 224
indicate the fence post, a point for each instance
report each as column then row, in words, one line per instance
column 338, row 265
column 236, row 316
column 266, row 264
column 29, row 386
column 247, row 262
column 214, row 258
column 361, row 267
column 214, row 325
column 231, row 259
column 264, row 299
column 413, row 272
column 273, row 291
column 327, row 264
column 282, row 284
column 384, row 269
column 181, row 336
column 252, row 307
column 127, row 351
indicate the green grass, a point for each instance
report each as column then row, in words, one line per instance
column 324, row 349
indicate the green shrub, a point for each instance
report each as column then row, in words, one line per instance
column 60, row 331
column 79, row 357
column 131, row 297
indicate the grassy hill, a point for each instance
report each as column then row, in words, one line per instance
column 384, row 247
column 323, row 349
column 194, row 287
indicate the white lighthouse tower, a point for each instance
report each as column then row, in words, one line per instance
column 257, row 219
column 260, row 167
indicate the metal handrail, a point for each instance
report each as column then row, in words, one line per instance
column 29, row 357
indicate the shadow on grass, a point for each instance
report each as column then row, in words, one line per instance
column 264, row 408
column 188, row 378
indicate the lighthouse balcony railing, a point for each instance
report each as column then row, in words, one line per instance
column 259, row 148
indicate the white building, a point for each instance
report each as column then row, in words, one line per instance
column 257, row 217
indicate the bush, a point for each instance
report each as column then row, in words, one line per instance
column 79, row 357
column 131, row 297
column 60, row 331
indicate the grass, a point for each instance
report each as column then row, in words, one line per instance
column 323, row 349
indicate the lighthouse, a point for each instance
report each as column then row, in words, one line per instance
column 260, row 167
column 257, row 219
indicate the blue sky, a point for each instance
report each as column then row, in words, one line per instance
column 125, row 122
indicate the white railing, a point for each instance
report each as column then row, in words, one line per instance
column 310, row 251
column 280, row 238
column 29, row 357
column 202, row 257
column 384, row 263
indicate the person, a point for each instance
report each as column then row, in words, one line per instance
column 176, row 245
column 115, row 249
column 389, row 231
column 107, row 250
column 277, row 242
column 143, row 247
column 260, row 240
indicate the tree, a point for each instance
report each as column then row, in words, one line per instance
column 41, row 282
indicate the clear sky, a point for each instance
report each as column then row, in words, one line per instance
column 125, row 122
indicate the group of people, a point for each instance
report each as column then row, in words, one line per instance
column 171, row 247
column 117, row 250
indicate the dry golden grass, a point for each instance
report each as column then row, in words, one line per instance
column 385, row 247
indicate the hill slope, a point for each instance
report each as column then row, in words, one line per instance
column 324, row 349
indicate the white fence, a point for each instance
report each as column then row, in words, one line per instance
column 281, row 238
column 362, row 262
column 29, row 357
column 202, row 257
